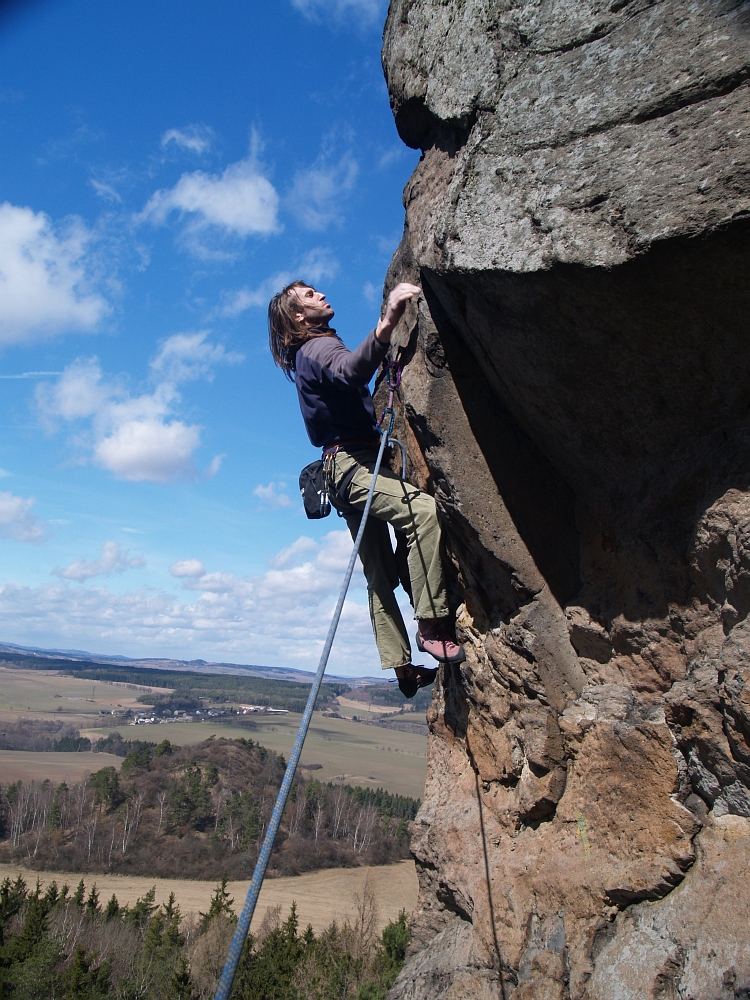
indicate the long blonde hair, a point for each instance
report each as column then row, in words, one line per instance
column 285, row 334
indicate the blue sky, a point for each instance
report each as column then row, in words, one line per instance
column 165, row 168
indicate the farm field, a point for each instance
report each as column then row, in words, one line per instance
column 320, row 896
column 45, row 692
column 362, row 709
column 363, row 755
column 32, row 765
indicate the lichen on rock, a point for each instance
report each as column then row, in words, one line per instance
column 577, row 398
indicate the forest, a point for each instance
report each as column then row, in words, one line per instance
column 202, row 809
column 71, row 945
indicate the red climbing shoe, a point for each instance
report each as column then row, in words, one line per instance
column 413, row 678
column 435, row 636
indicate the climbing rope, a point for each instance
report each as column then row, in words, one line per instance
column 393, row 379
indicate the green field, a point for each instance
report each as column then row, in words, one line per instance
column 366, row 755
column 48, row 692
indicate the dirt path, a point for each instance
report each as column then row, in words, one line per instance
column 320, row 896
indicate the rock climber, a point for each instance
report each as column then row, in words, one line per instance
column 338, row 411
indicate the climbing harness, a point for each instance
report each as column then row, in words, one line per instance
column 393, row 380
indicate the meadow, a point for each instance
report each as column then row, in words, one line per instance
column 320, row 896
column 25, row 765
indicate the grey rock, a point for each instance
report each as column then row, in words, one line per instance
column 577, row 398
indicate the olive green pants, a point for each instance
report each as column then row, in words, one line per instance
column 412, row 512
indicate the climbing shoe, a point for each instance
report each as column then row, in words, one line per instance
column 415, row 677
column 434, row 636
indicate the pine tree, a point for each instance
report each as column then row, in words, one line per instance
column 152, row 942
column 79, row 894
column 221, row 902
column 140, row 914
column 52, row 894
column 92, row 903
column 84, row 982
column 112, row 909
column 181, row 984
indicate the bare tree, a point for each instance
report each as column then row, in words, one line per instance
column 81, row 793
column 112, row 841
column 132, row 819
column 161, row 798
column 319, row 817
column 221, row 801
column 338, row 810
column 89, row 828
column 367, row 916
column 298, row 811
column 363, row 829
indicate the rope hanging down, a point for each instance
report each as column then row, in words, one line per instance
column 393, row 377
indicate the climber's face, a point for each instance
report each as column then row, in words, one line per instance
column 313, row 308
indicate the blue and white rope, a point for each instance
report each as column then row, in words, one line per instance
column 243, row 924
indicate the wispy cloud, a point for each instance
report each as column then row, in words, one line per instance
column 316, row 266
column 112, row 560
column 105, row 191
column 135, row 437
column 188, row 356
column 16, row 519
column 46, row 285
column 273, row 495
column 31, row 375
column 194, row 138
column 317, row 194
column 365, row 11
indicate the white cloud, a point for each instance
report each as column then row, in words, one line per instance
column 4, row 473
column 112, row 560
column 240, row 202
column 364, row 10
column 279, row 617
column 45, row 280
column 16, row 519
column 135, row 437
column 317, row 193
column 274, row 495
column 317, row 265
column 105, row 191
column 187, row 567
column 371, row 292
column 195, row 138
column 149, row 449
column 188, row 356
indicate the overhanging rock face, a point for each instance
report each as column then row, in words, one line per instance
column 578, row 399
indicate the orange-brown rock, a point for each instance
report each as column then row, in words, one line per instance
column 577, row 398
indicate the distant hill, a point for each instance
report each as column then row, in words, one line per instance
column 70, row 656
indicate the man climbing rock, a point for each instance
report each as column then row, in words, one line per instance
column 337, row 407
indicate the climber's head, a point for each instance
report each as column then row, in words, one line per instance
column 297, row 313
